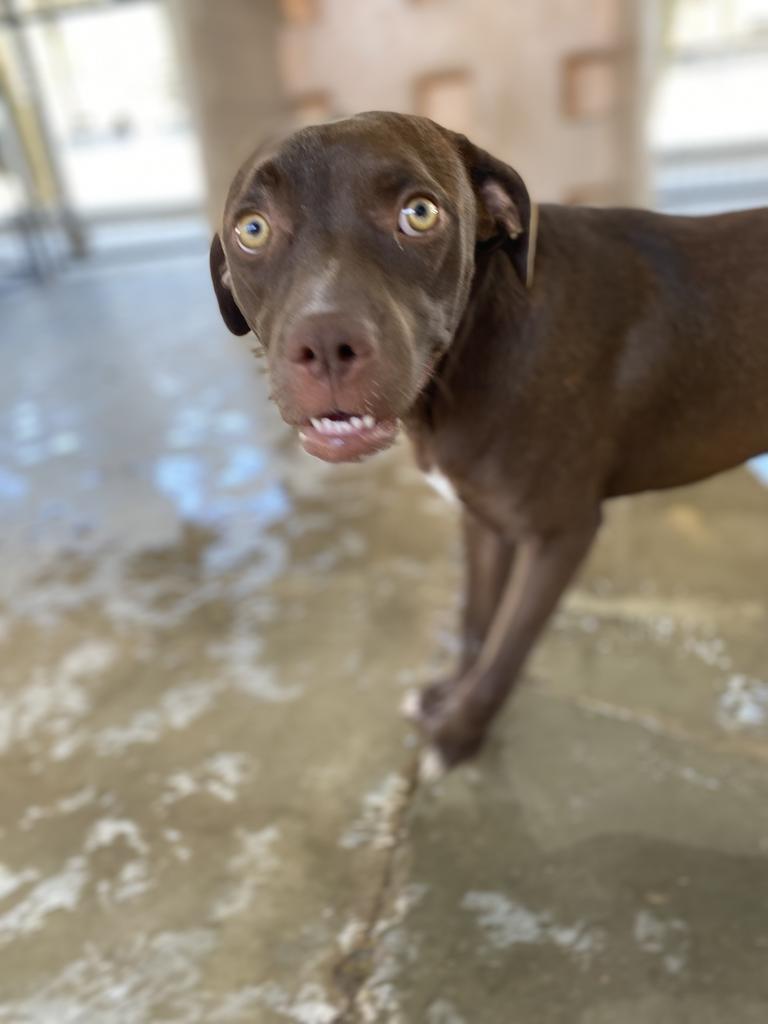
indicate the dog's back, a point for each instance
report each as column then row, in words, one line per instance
column 683, row 309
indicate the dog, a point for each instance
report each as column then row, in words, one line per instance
column 540, row 359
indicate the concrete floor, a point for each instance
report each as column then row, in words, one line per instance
column 208, row 810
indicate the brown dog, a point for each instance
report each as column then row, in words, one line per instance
column 395, row 273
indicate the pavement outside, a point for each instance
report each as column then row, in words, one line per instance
column 208, row 804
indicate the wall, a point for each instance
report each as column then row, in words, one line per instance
column 552, row 86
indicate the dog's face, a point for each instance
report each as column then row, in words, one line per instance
column 349, row 250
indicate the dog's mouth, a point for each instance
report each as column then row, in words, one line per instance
column 346, row 437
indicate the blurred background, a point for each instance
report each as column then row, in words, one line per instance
column 207, row 803
column 122, row 121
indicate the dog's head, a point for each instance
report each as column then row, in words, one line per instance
column 349, row 250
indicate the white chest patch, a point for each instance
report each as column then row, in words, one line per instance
column 442, row 485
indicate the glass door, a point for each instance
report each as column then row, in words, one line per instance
column 106, row 133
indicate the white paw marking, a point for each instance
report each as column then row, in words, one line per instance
column 432, row 768
column 410, row 705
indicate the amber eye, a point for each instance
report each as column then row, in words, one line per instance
column 417, row 216
column 252, row 231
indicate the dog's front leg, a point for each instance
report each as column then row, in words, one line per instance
column 542, row 569
column 487, row 560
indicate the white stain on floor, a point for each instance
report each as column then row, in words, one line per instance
column 252, row 866
column 506, row 923
column 310, row 1005
column 106, row 831
column 444, row 1012
column 666, row 938
column 177, row 709
column 64, row 443
column 219, row 776
column 10, row 880
column 743, row 704
column 240, row 658
column 61, row 891
column 54, row 700
column 69, row 804
column 146, row 978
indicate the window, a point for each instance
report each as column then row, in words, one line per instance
column 446, row 98
column 590, row 84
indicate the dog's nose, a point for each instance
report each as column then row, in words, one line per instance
column 329, row 347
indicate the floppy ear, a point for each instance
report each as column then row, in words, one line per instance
column 504, row 206
column 230, row 311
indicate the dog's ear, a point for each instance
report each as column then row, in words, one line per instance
column 504, row 206
column 230, row 310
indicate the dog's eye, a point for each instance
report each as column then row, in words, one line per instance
column 418, row 215
column 252, row 231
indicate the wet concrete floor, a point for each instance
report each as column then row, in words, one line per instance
column 208, row 810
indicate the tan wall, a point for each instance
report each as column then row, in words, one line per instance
column 228, row 52
column 548, row 85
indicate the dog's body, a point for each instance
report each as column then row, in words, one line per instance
column 541, row 371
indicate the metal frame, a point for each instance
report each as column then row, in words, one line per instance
column 34, row 225
column 70, row 222
column 47, row 10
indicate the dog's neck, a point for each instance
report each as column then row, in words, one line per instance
column 484, row 343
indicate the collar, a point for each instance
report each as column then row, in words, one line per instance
column 497, row 241
column 533, row 237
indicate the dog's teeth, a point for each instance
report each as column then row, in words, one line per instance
column 325, row 425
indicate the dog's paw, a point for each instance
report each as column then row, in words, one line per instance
column 451, row 736
column 423, row 705
column 440, row 756
column 432, row 767
column 410, row 705
column 453, row 733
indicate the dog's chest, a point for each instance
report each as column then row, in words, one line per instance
column 423, row 448
column 440, row 483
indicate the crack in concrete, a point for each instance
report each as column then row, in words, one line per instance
column 351, row 973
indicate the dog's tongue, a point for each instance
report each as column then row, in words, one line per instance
column 347, row 438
